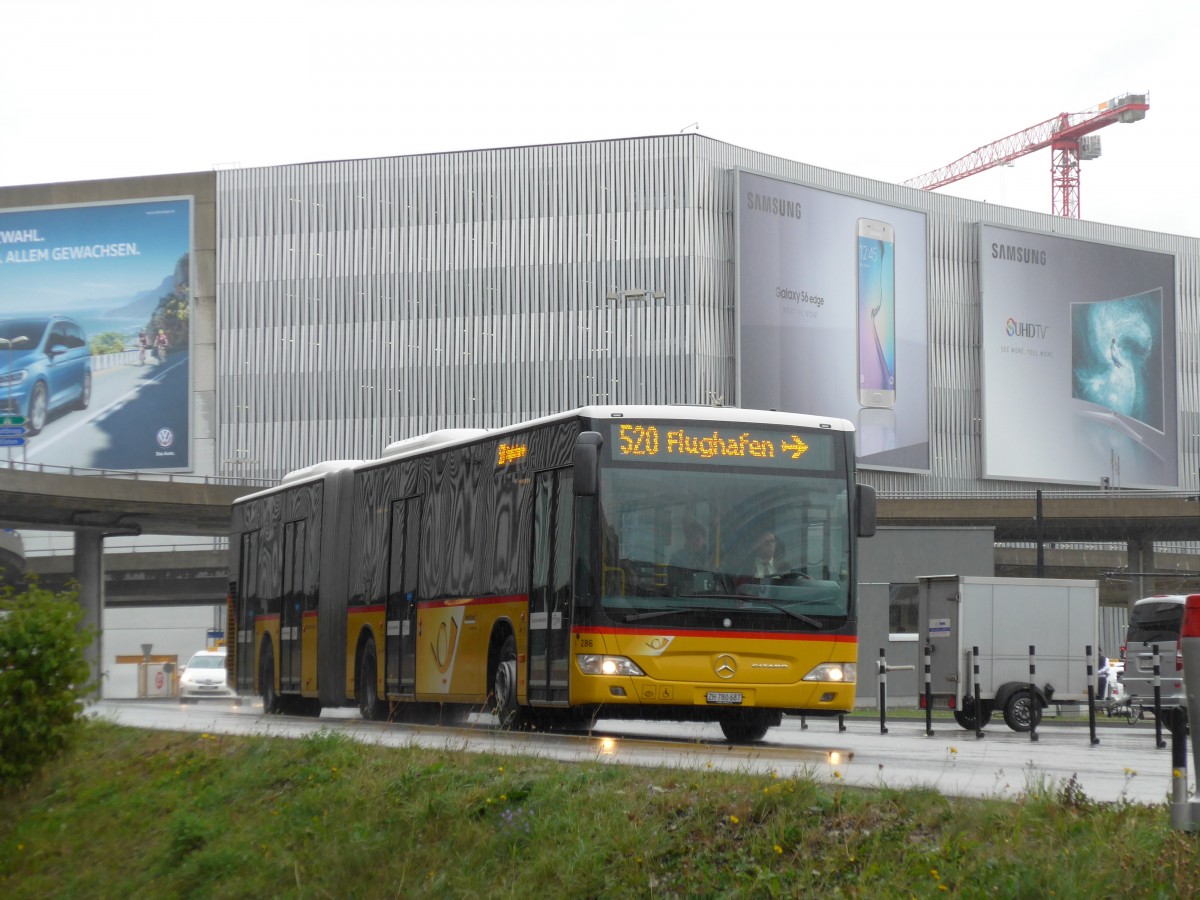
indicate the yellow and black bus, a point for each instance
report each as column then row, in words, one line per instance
column 664, row 562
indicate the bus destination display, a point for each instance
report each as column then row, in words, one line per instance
column 665, row 442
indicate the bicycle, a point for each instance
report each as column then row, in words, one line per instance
column 1129, row 709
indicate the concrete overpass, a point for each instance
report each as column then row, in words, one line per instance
column 1135, row 519
column 100, row 505
column 1065, row 516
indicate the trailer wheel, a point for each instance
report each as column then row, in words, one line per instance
column 1022, row 711
column 965, row 717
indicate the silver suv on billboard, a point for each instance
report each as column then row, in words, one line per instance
column 45, row 365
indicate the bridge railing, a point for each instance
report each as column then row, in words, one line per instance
column 1047, row 494
column 176, row 477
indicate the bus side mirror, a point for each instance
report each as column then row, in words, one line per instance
column 587, row 463
column 864, row 503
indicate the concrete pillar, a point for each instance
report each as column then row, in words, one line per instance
column 1140, row 559
column 89, row 573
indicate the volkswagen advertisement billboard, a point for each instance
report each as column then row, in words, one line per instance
column 95, row 311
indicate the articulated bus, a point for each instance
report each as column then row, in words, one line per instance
column 663, row 562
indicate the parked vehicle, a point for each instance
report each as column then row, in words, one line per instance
column 204, row 676
column 1157, row 621
column 45, row 365
column 1004, row 617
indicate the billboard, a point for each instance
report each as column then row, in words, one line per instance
column 1079, row 373
column 95, row 306
column 832, row 314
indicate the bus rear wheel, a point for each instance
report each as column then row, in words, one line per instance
column 266, row 680
column 369, row 704
column 504, row 696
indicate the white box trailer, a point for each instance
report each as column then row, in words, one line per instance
column 1004, row 617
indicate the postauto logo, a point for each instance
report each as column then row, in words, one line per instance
column 1013, row 328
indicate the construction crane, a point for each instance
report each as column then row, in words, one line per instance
column 1069, row 135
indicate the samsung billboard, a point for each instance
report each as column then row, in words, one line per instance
column 95, row 306
column 832, row 314
column 1079, row 370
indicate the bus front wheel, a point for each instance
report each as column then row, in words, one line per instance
column 745, row 729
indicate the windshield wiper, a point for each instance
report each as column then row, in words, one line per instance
column 656, row 613
column 807, row 620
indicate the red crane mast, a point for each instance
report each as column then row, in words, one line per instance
column 1069, row 135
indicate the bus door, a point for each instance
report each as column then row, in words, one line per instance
column 400, row 646
column 291, row 611
column 246, row 600
column 550, row 586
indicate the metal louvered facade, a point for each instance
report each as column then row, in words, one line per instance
column 365, row 301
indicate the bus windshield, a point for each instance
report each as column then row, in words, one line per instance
column 729, row 547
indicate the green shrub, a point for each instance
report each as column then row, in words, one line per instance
column 107, row 342
column 44, row 676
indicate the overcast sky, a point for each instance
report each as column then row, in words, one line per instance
column 886, row 90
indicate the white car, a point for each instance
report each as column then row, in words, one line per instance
column 204, row 676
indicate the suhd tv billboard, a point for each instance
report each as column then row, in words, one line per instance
column 95, row 306
column 1079, row 371
column 832, row 314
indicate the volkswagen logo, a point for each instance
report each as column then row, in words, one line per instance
column 725, row 666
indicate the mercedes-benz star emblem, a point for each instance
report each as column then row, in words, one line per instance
column 725, row 666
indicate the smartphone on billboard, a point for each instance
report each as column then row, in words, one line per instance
column 876, row 314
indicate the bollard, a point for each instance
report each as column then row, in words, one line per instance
column 1181, row 809
column 1033, row 735
column 1158, row 738
column 1091, row 681
column 978, row 694
column 882, row 692
column 928, row 692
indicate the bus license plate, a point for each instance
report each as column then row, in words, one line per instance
column 724, row 697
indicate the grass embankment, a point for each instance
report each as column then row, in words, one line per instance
column 130, row 813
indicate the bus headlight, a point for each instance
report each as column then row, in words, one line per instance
column 833, row 671
column 597, row 664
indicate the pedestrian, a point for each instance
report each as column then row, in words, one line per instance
column 1101, row 676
